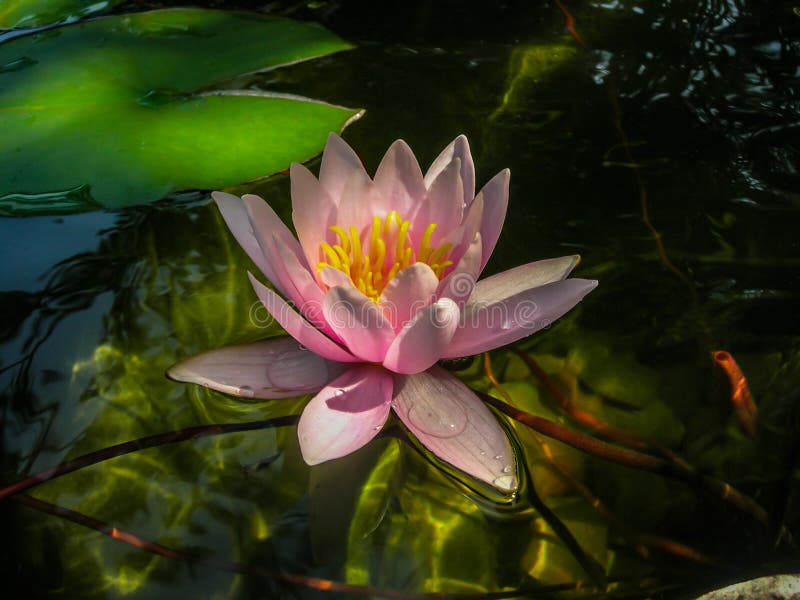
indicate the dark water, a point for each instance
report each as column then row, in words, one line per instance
column 686, row 112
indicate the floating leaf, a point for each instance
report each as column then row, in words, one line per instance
column 107, row 112
column 33, row 13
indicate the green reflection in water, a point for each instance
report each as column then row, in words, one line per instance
column 205, row 495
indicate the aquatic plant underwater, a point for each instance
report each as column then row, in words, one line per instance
column 377, row 420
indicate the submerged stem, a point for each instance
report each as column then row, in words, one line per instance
column 640, row 543
column 150, row 441
column 632, row 458
column 313, row 583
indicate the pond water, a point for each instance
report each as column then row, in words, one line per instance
column 657, row 140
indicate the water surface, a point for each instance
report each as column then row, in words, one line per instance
column 671, row 122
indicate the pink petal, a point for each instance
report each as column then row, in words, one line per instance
column 355, row 206
column 345, row 415
column 305, row 291
column 275, row 368
column 267, row 223
column 298, row 327
column 444, row 205
column 291, row 275
column 312, row 212
column 333, row 277
column 458, row 148
column 513, row 281
column 358, row 321
column 421, row 343
column 495, row 204
column 450, row 421
column 294, row 273
column 489, row 325
column 410, row 290
column 339, row 162
column 460, row 282
column 264, row 223
column 462, row 237
column 235, row 215
column 399, row 181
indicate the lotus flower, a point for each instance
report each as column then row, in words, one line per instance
column 380, row 284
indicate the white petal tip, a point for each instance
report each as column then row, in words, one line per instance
column 174, row 373
column 223, row 197
column 310, row 460
column 398, row 144
column 506, row 483
column 184, row 373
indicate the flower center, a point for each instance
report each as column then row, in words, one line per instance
column 386, row 250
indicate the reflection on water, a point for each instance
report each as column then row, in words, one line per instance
column 96, row 306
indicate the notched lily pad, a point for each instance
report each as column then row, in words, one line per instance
column 111, row 107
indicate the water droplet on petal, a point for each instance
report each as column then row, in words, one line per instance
column 483, row 453
column 498, row 456
column 442, row 419
column 505, row 482
column 338, row 393
column 507, row 469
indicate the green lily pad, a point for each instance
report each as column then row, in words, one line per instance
column 108, row 113
column 33, row 13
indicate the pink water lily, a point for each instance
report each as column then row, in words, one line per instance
column 380, row 284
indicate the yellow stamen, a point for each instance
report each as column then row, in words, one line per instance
column 343, row 241
column 366, row 261
column 356, row 253
column 401, row 240
column 393, row 271
column 332, row 256
column 440, row 253
column 425, row 243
